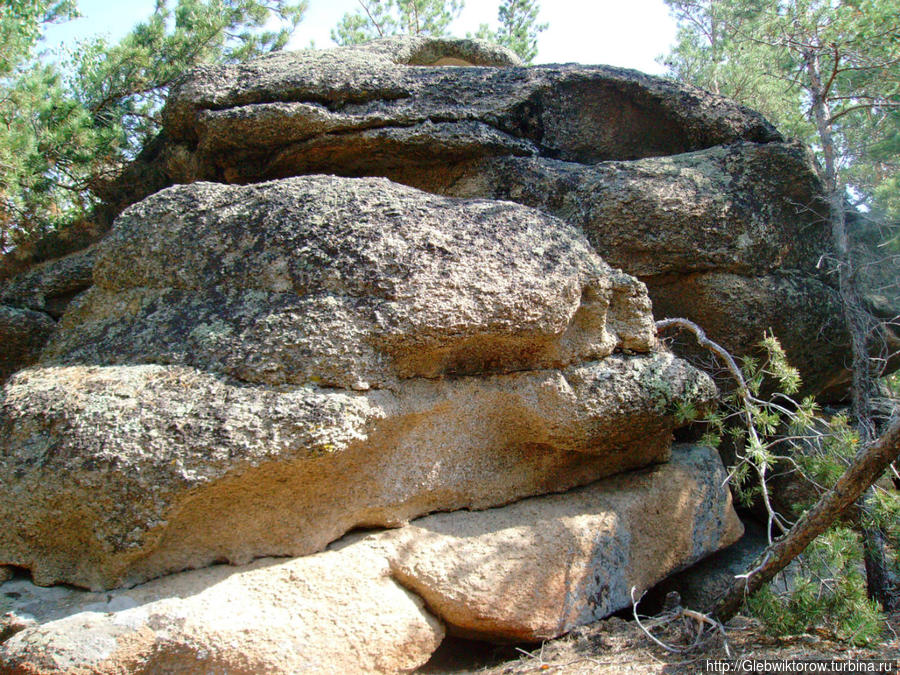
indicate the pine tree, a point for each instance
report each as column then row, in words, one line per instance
column 382, row 18
column 828, row 71
column 64, row 131
column 518, row 29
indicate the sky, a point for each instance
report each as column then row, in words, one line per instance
column 627, row 33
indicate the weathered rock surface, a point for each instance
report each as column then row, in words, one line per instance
column 803, row 312
column 31, row 300
column 258, row 369
column 339, row 281
column 702, row 584
column 571, row 557
column 745, row 208
column 538, row 568
column 373, row 109
column 392, row 352
column 50, row 286
column 113, row 475
column 23, row 334
column 335, row 612
column 666, row 181
column 729, row 237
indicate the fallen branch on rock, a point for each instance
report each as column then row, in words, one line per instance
column 870, row 462
column 749, row 405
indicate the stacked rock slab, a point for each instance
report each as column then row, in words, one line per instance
column 525, row 572
column 695, row 195
column 258, row 369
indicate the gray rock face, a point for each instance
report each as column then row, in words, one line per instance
column 729, row 237
column 391, row 351
column 23, row 333
column 341, row 282
column 665, row 180
column 740, row 208
column 50, row 286
column 580, row 113
column 374, row 110
column 803, row 312
column 702, row 584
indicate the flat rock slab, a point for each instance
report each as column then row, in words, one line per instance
column 114, row 475
column 347, row 283
column 575, row 112
column 335, row 612
column 385, row 109
column 538, row 568
column 527, row 571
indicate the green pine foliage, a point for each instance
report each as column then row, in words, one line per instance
column 21, row 23
column 383, row 18
column 826, row 591
column 66, row 129
column 754, row 51
column 518, row 25
column 518, row 29
column 826, row 587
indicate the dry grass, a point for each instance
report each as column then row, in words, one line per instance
column 617, row 646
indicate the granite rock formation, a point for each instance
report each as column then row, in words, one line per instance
column 528, row 571
column 357, row 288
column 392, row 352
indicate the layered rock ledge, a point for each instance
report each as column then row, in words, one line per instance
column 528, row 571
column 426, row 341
column 257, row 370
column 697, row 196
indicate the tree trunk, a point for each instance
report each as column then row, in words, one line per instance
column 857, row 320
column 867, row 466
column 878, row 578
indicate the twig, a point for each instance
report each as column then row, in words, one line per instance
column 634, row 604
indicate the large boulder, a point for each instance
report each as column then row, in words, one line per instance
column 256, row 369
column 392, row 352
column 666, row 180
column 543, row 566
column 315, row 110
column 527, row 571
column 347, row 283
column 335, row 612
column 392, row 107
